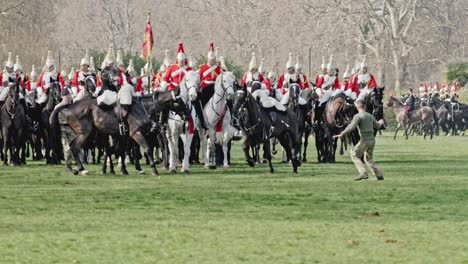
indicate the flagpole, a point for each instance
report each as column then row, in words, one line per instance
column 148, row 58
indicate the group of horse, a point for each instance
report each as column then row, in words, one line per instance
column 431, row 114
column 105, row 133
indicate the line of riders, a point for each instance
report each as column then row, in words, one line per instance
column 93, row 114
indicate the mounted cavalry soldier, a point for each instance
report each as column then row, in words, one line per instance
column 8, row 78
column 252, row 75
column 286, row 79
column 81, row 75
column 365, row 80
column 302, row 77
column 50, row 74
column 24, row 81
column 320, row 78
column 347, row 87
column 208, row 73
column 176, row 72
column 33, row 79
column 174, row 75
column 158, row 77
column 329, row 84
column 108, row 93
column 410, row 103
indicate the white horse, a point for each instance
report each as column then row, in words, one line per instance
column 178, row 127
column 214, row 110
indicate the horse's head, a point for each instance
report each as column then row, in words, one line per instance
column 31, row 98
column 192, row 83
column 90, row 84
column 391, row 101
column 256, row 85
column 240, row 100
column 55, row 91
column 376, row 97
column 294, row 93
column 110, row 76
column 225, row 84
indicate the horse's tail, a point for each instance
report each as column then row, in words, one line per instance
column 56, row 134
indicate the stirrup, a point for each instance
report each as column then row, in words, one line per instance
column 123, row 129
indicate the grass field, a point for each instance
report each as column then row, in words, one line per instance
column 419, row 214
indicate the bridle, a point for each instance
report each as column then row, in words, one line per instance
column 221, row 96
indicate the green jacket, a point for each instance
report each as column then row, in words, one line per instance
column 366, row 123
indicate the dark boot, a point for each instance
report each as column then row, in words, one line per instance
column 199, row 111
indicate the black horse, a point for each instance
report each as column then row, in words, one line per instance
column 259, row 125
column 54, row 97
column 13, row 122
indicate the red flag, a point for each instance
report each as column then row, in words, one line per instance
column 148, row 41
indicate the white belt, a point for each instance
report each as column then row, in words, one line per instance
column 209, row 82
column 174, row 84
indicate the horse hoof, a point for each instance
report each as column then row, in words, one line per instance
column 304, row 160
column 206, row 166
column 103, row 172
column 125, row 173
column 84, row 173
column 112, row 173
column 141, row 172
column 251, row 163
column 226, row 167
column 212, row 167
column 75, row 172
column 173, row 171
column 186, row 172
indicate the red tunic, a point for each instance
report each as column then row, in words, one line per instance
column 174, row 75
column 372, row 83
column 281, row 83
column 267, row 83
column 304, row 81
column 26, row 84
column 139, row 86
column 336, row 85
column 157, row 79
column 319, row 80
column 59, row 78
column 352, row 84
column 244, row 79
column 208, row 74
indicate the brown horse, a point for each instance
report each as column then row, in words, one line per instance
column 423, row 115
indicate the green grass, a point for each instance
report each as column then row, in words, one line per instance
column 246, row 215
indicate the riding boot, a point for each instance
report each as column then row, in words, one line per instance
column 272, row 115
column 164, row 118
column 199, row 111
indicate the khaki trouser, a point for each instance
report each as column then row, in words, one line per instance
column 67, row 138
column 365, row 148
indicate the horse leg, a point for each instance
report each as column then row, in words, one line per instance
column 266, row 147
column 75, row 148
column 140, row 140
column 173, row 152
column 227, row 136
column 212, row 148
column 187, row 151
column 5, row 146
column 246, row 149
column 136, row 158
column 396, row 131
column 306, row 144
